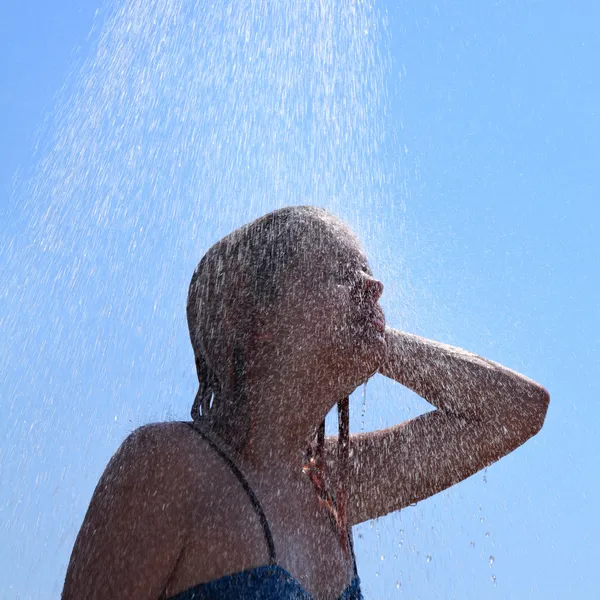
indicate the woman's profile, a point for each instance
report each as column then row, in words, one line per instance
column 250, row 499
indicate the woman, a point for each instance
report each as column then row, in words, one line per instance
column 285, row 324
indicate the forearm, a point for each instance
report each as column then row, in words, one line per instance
column 457, row 381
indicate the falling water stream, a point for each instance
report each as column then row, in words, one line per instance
column 186, row 120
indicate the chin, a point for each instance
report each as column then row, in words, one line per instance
column 374, row 339
column 366, row 355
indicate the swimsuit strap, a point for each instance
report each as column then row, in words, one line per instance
column 256, row 503
column 251, row 494
column 352, row 551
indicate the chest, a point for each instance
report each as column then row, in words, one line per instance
column 233, row 539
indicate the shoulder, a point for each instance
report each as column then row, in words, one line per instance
column 158, row 454
column 171, row 456
column 139, row 515
column 175, row 464
column 162, row 440
column 151, row 464
column 173, row 467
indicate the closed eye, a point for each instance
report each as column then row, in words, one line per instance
column 353, row 279
column 352, row 272
column 349, row 276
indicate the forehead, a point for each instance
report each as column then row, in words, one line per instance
column 339, row 247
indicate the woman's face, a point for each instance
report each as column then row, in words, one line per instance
column 329, row 316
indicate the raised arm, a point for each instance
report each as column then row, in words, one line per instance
column 132, row 534
column 464, row 384
column 484, row 411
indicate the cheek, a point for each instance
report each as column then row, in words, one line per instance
column 328, row 301
column 341, row 298
column 339, row 307
column 322, row 312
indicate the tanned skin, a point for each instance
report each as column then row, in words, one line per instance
column 169, row 514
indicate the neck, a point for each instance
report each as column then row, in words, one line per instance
column 281, row 420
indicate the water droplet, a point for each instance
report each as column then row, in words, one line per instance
column 472, row 544
column 398, row 585
column 491, row 561
column 429, row 558
column 487, row 534
column 482, row 519
column 364, row 407
column 382, row 557
column 493, row 578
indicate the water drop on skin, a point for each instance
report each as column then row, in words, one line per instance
column 364, row 407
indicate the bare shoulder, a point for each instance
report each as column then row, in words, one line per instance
column 137, row 522
column 173, row 456
column 169, row 444
column 171, row 434
column 151, row 455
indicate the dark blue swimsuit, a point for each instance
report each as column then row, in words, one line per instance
column 267, row 582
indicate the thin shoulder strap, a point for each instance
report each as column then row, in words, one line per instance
column 252, row 496
column 352, row 551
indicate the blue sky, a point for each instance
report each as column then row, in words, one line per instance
column 486, row 236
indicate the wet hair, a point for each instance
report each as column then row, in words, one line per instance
column 238, row 278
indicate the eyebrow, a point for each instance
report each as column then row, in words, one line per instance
column 363, row 263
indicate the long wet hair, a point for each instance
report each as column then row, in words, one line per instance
column 236, row 278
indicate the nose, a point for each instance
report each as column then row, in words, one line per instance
column 373, row 288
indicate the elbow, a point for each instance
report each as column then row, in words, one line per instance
column 524, row 415
column 541, row 403
column 534, row 410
